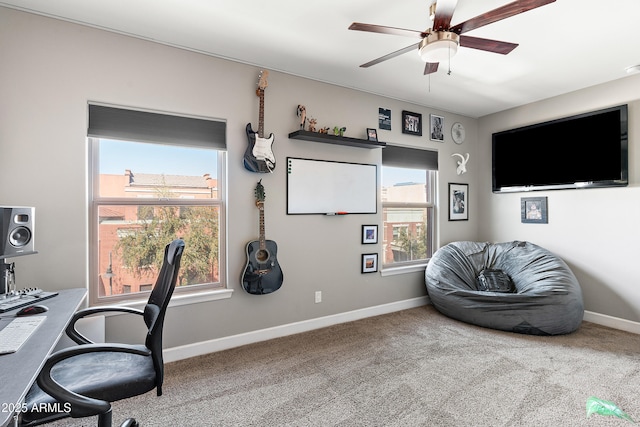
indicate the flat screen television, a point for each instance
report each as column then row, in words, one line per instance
column 583, row 151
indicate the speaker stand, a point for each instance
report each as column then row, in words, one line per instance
column 7, row 278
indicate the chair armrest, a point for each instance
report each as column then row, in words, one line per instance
column 76, row 336
column 81, row 406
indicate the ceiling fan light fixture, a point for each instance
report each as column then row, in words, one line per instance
column 438, row 46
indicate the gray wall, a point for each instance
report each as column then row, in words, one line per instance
column 594, row 230
column 50, row 69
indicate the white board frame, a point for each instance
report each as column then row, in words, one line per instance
column 328, row 187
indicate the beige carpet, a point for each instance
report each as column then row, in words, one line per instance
column 411, row 368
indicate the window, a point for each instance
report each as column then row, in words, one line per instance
column 153, row 178
column 408, row 197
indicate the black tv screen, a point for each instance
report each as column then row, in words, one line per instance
column 583, row 151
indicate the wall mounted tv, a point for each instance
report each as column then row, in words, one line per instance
column 584, row 151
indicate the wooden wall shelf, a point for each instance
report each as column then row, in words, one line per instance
column 333, row 139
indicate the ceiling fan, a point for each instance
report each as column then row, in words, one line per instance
column 441, row 40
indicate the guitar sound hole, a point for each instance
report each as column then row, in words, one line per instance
column 262, row 255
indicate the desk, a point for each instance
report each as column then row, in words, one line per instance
column 18, row 371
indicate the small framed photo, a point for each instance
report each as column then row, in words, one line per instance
column 412, row 123
column 458, row 202
column 369, row 263
column 384, row 118
column 369, row 234
column 534, row 210
column 436, row 128
column 372, row 135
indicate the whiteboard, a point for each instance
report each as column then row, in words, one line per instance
column 329, row 187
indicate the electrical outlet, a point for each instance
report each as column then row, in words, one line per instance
column 318, row 296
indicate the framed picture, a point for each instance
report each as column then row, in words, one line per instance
column 436, row 128
column 458, row 202
column 369, row 263
column 412, row 123
column 369, row 234
column 384, row 118
column 372, row 135
column 534, row 210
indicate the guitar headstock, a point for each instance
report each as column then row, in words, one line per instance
column 260, row 196
column 262, row 81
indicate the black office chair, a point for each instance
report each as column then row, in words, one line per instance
column 81, row 381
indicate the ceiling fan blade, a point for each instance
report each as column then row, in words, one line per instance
column 358, row 26
column 503, row 12
column 391, row 55
column 494, row 46
column 444, row 13
column 431, row 67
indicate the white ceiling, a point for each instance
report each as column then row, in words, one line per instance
column 563, row 46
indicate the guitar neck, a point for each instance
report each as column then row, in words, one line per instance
column 262, row 239
column 261, row 114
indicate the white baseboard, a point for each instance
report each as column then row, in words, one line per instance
column 612, row 322
column 211, row 346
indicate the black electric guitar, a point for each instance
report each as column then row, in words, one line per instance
column 262, row 274
column 259, row 155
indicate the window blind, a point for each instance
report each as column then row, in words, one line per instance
column 413, row 158
column 144, row 126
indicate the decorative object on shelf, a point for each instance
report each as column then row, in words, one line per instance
column 324, row 130
column 436, row 128
column 339, row 131
column 369, row 234
column 369, row 263
column 458, row 202
column 262, row 273
column 462, row 163
column 534, row 210
column 258, row 156
column 333, row 139
column 412, row 123
column 302, row 113
column 312, row 124
column 384, row 119
column 458, row 133
column 372, row 135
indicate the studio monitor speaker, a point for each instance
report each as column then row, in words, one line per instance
column 17, row 231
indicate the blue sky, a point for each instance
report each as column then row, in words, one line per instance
column 392, row 176
column 117, row 156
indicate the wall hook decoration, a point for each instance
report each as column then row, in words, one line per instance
column 462, row 163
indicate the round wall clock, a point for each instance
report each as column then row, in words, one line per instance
column 458, row 133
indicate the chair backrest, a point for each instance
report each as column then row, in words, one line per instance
column 156, row 307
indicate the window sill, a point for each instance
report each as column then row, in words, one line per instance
column 186, row 299
column 393, row 271
column 179, row 300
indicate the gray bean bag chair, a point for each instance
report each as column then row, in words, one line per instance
column 515, row 286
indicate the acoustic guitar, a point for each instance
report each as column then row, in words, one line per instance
column 258, row 156
column 262, row 274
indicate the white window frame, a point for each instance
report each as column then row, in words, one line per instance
column 186, row 295
column 431, row 206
